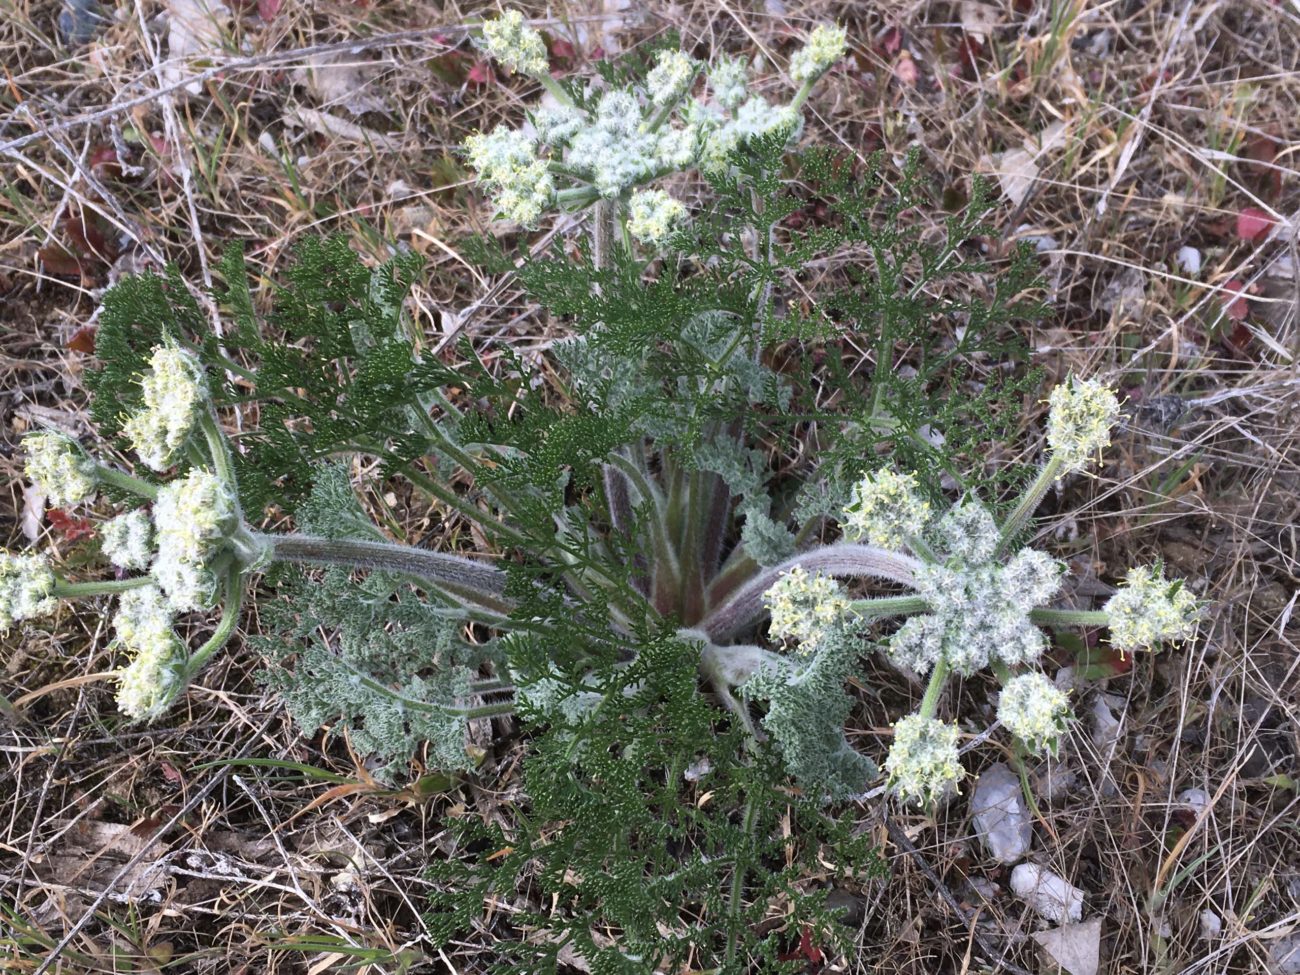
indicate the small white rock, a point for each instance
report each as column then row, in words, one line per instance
column 1211, row 925
column 1047, row 894
column 1198, row 800
column 1189, row 259
column 1001, row 818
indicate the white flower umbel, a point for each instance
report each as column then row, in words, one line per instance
column 193, row 517
column 804, row 607
column 978, row 613
column 652, row 216
column 127, row 540
column 1034, row 710
column 886, row 510
column 923, row 764
column 517, row 46
column 59, row 468
column 508, row 164
column 616, row 150
column 26, row 589
column 729, row 83
column 677, row 148
column 1149, row 610
column 1080, row 415
column 175, row 394
column 152, row 679
column 825, row 46
column 670, row 77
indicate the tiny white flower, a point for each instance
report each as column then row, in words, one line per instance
column 26, row 588
column 616, row 150
column 1030, row 578
column 1080, row 416
column 127, row 540
column 557, row 125
column 1149, row 610
column 652, row 216
column 969, row 533
column 825, row 46
column 1034, row 710
column 676, row 148
column 923, row 764
column 175, row 393
column 59, row 468
column 511, row 41
column 141, row 612
column 918, row 643
column 672, row 74
column 886, row 509
column 804, row 607
column 192, row 516
column 729, row 82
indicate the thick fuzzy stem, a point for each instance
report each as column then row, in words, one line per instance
column 476, row 583
column 938, row 677
column 125, row 482
column 875, row 609
column 746, row 607
column 1070, row 617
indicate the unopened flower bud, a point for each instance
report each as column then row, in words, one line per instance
column 652, row 215
column 804, row 607
column 886, row 509
column 127, row 540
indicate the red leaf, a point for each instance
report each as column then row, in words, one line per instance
column 1253, row 223
column 890, row 42
column 267, row 9
column 69, row 526
column 905, row 70
column 480, row 74
column 1236, row 308
column 563, row 50
column 806, row 950
column 170, row 774
column 83, row 340
column 58, row 260
column 104, row 162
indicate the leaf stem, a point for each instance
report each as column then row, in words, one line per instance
column 1030, row 501
column 78, row 590
column 125, row 482
column 1069, row 617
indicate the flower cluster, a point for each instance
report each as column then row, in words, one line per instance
column 652, row 216
column 143, row 625
column 516, row 45
column 59, row 469
column 127, row 540
column 1080, row 416
column 26, row 589
column 174, row 395
column 886, row 510
column 1034, row 710
column 194, row 515
column 623, row 138
column 825, row 46
column 1148, row 610
column 508, row 164
column 804, row 607
column 923, row 765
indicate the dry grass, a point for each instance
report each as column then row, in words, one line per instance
column 132, row 854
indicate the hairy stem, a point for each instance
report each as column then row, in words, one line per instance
column 78, row 590
column 938, row 677
column 1070, row 617
column 481, row 585
column 234, row 601
column 874, row 609
column 125, row 482
column 746, row 607
column 1030, row 501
